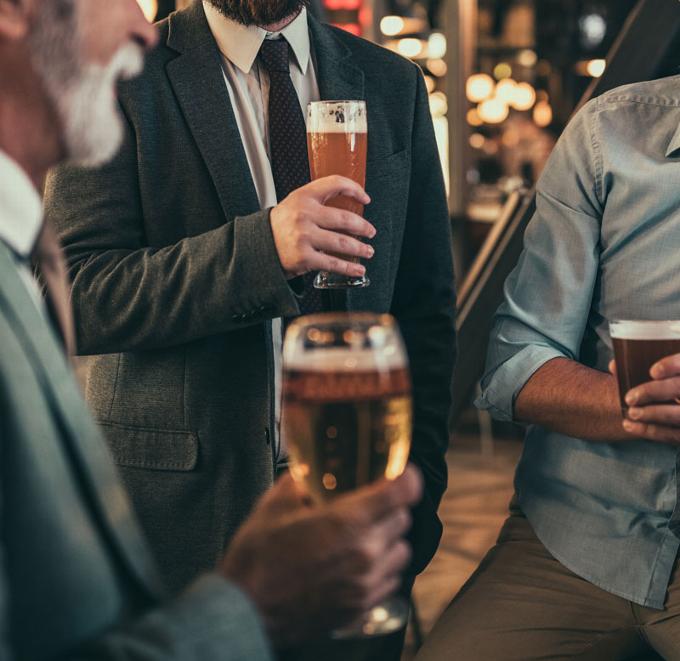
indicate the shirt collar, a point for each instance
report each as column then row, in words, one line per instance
column 240, row 44
column 20, row 208
column 674, row 144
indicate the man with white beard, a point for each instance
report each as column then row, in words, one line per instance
column 76, row 578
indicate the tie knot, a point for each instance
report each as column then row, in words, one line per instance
column 274, row 54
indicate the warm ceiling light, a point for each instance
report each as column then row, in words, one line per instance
column 439, row 104
column 431, row 84
column 543, row 114
column 391, row 26
column 410, row 47
column 493, row 111
column 511, row 139
column 527, row 58
column 436, row 45
column 523, row 97
column 473, row 118
column 477, row 141
column 437, row 67
column 596, row 68
column 479, row 87
column 505, row 90
column 150, row 8
column 502, row 70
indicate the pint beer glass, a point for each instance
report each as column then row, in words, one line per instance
column 347, row 417
column 336, row 143
column 638, row 345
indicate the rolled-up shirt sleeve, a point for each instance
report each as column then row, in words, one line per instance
column 548, row 296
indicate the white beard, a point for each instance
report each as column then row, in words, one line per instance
column 88, row 109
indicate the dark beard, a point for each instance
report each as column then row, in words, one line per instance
column 258, row 12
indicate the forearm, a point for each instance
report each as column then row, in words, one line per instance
column 137, row 299
column 571, row 399
column 212, row 620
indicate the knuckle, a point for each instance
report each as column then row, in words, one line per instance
column 365, row 555
column 344, row 243
column 403, row 552
column 403, row 519
column 348, row 219
column 307, row 255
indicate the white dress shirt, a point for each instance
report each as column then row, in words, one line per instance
column 248, row 85
column 21, row 219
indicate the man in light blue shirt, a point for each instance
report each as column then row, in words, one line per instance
column 584, row 566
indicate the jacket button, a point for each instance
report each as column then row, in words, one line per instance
column 266, row 435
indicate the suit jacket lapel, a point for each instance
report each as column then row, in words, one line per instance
column 82, row 439
column 198, row 80
column 338, row 79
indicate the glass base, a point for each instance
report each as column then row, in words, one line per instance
column 326, row 280
column 382, row 620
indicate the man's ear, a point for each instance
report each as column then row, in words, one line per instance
column 15, row 19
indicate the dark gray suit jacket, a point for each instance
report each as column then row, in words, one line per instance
column 76, row 578
column 176, row 279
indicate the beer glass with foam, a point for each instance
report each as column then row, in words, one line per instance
column 336, row 143
column 347, row 417
column 638, row 345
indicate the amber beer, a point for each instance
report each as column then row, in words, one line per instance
column 339, row 153
column 346, row 401
column 638, row 345
column 337, row 141
column 347, row 429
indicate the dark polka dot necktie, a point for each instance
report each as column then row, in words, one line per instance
column 287, row 142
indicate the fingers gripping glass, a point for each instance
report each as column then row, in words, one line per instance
column 336, row 143
column 347, row 418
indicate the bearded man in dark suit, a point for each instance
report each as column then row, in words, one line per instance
column 186, row 253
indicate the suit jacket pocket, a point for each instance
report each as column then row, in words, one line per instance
column 153, row 449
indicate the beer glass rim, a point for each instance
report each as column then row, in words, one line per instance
column 641, row 329
column 326, row 357
column 331, row 102
column 382, row 318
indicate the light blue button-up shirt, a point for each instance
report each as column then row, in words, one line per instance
column 604, row 244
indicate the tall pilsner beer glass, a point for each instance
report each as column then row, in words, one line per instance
column 336, row 142
column 347, row 417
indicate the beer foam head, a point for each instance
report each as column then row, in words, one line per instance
column 339, row 359
column 645, row 330
column 353, row 342
column 337, row 117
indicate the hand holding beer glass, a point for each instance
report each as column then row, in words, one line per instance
column 337, row 143
column 347, row 417
column 647, row 367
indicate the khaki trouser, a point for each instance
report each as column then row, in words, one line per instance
column 522, row 604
